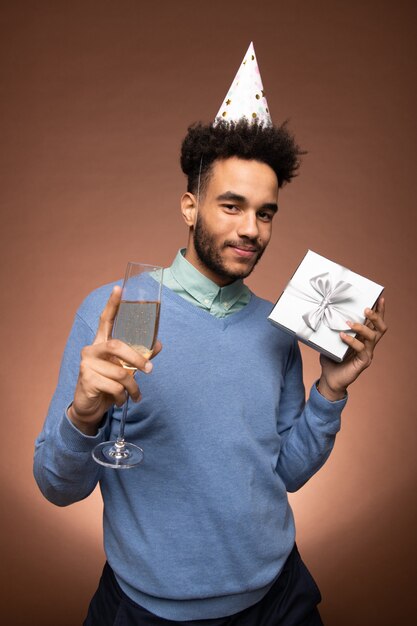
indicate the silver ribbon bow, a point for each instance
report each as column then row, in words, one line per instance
column 328, row 309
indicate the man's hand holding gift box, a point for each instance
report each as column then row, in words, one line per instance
column 330, row 309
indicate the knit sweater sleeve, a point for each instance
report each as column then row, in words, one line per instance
column 63, row 466
column 308, row 430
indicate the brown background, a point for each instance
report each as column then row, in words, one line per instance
column 95, row 99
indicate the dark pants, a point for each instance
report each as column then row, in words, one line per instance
column 291, row 601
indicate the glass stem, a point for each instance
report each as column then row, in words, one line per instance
column 121, row 435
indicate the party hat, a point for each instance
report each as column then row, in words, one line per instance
column 245, row 98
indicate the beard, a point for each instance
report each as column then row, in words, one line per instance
column 209, row 252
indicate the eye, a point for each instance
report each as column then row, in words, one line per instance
column 265, row 216
column 230, row 208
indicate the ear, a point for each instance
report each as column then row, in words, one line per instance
column 189, row 209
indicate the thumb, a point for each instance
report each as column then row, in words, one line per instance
column 108, row 316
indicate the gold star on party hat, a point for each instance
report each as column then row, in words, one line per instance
column 245, row 98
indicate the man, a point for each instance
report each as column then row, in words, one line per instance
column 202, row 533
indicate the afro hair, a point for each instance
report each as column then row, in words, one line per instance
column 205, row 144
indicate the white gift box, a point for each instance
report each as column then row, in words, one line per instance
column 319, row 299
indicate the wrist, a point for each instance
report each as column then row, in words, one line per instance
column 87, row 427
column 330, row 393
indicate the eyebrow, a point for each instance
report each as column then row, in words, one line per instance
column 236, row 197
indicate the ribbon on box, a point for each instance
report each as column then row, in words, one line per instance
column 328, row 301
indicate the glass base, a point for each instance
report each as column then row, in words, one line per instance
column 118, row 455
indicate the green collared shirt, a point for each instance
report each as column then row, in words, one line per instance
column 190, row 284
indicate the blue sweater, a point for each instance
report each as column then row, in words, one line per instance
column 203, row 527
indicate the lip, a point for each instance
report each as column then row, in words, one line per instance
column 246, row 253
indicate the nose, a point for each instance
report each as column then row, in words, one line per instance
column 248, row 225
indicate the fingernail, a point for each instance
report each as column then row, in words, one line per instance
column 148, row 367
column 368, row 311
column 344, row 335
column 349, row 323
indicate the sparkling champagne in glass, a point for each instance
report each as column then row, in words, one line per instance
column 136, row 324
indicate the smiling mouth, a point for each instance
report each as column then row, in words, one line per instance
column 245, row 251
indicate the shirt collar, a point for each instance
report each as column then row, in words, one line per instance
column 202, row 288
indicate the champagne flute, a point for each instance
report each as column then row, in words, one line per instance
column 136, row 324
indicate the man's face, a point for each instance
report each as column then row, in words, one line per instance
column 234, row 220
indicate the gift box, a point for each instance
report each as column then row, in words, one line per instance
column 319, row 299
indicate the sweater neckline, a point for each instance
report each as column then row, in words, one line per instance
column 222, row 322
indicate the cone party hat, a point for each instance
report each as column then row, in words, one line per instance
column 245, row 98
